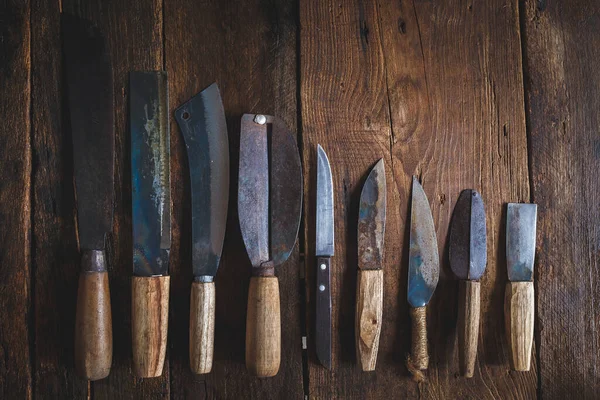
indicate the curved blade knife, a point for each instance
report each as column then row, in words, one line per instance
column 269, row 206
column 90, row 93
column 324, row 251
column 202, row 124
column 468, row 259
column 369, row 286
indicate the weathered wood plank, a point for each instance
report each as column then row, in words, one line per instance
column 249, row 49
column 561, row 47
column 15, row 197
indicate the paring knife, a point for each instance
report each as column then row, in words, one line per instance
column 269, row 206
column 324, row 251
column 519, row 296
column 90, row 93
column 468, row 259
column 369, row 286
column 423, row 275
column 151, row 218
column 202, row 124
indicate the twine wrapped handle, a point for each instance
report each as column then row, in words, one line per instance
column 418, row 360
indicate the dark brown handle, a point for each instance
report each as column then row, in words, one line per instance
column 519, row 317
column 323, row 311
column 263, row 327
column 468, row 326
column 202, row 326
column 149, row 324
column 369, row 314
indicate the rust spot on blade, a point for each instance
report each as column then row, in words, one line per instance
column 371, row 219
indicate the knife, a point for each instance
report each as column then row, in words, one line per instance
column 90, row 93
column 202, row 124
column 324, row 251
column 269, row 206
column 369, row 286
column 423, row 275
column 151, row 218
column 468, row 259
column 519, row 296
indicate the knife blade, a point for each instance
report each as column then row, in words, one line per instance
column 468, row 259
column 324, row 252
column 90, row 96
column 204, row 129
column 151, row 219
column 423, row 275
column 519, row 305
column 269, row 206
column 369, row 293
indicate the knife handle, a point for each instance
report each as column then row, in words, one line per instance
column 419, row 357
column 369, row 313
column 93, row 321
column 263, row 327
column 519, row 314
column 468, row 325
column 149, row 323
column 202, row 326
column 323, row 311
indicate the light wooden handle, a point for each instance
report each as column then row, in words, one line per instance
column 149, row 323
column 518, row 315
column 369, row 312
column 202, row 326
column 263, row 327
column 468, row 325
column 419, row 353
column 93, row 326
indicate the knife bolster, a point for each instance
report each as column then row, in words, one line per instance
column 202, row 327
column 468, row 325
column 519, row 319
column 149, row 324
column 369, row 314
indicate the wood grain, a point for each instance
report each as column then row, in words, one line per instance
column 202, row 327
column 519, row 314
column 469, row 304
column 369, row 315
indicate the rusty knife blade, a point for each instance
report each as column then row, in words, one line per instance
column 90, row 95
column 371, row 219
column 423, row 257
column 521, row 222
column 468, row 237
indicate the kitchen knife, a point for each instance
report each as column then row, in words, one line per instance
column 151, row 218
column 90, row 94
column 519, row 296
column 369, row 286
column 468, row 259
column 202, row 124
column 269, row 206
column 423, row 275
column 324, row 252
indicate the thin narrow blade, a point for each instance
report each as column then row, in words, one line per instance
column 423, row 257
column 371, row 219
column 150, row 176
column 521, row 220
column 325, row 228
column 90, row 94
column 202, row 123
column 468, row 237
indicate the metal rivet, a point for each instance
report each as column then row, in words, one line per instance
column 260, row 119
column 323, row 267
column 322, row 288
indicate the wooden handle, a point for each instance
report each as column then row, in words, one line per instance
column 263, row 327
column 369, row 312
column 93, row 326
column 419, row 356
column 468, row 325
column 149, row 323
column 202, row 326
column 518, row 315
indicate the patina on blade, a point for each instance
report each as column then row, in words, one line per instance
column 371, row 219
column 468, row 237
column 423, row 257
column 521, row 220
column 202, row 123
column 150, row 176
column 325, row 228
column 90, row 95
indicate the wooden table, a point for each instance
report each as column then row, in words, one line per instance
column 503, row 97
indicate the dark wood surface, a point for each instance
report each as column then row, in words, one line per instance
column 502, row 97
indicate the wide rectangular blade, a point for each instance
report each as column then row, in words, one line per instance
column 203, row 126
column 150, row 175
column 90, row 95
column 423, row 257
column 325, row 228
column 521, row 220
column 371, row 219
column 468, row 237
